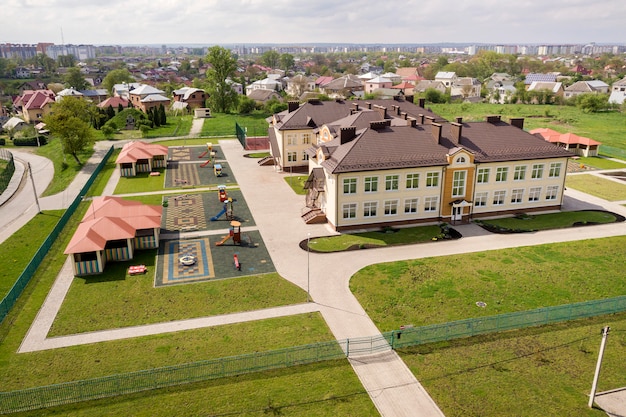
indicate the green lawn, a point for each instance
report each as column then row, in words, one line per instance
column 101, row 181
column 65, row 167
column 141, row 183
column 221, row 124
column 404, row 236
column 601, row 163
column 18, row 250
column 607, row 128
column 296, row 182
column 442, row 289
column 597, row 186
column 550, row 221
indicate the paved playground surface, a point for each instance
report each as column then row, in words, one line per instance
column 190, row 166
column 212, row 261
column 193, row 212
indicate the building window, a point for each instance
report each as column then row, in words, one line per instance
column 458, row 183
column 391, row 182
column 501, row 174
column 430, row 203
column 555, row 170
column 516, row 195
column 551, row 192
column 410, row 205
column 520, row 173
column 483, row 176
column 371, row 184
column 306, row 138
column 537, row 171
column 349, row 186
column 291, row 140
column 534, row 194
column 460, row 160
column 432, row 179
column 412, row 181
column 292, row 156
column 498, row 197
column 391, row 207
column 480, row 200
column 305, row 156
column 369, row 209
column 349, row 211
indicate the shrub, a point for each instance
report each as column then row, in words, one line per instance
column 3, row 142
column 32, row 141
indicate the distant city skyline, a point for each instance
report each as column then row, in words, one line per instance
column 236, row 22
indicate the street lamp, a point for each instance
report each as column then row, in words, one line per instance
column 308, row 269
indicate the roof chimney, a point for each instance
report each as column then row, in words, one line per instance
column 429, row 120
column 459, row 120
column 493, row 119
column 369, row 105
column 403, row 115
column 409, row 99
column 292, row 105
column 380, row 125
column 455, row 131
column 421, row 102
column 412, row 121
column 420, row 118
column 356, row 106
column 382, row 111
column 517, row 122
column 436, row 131
column 346, row 134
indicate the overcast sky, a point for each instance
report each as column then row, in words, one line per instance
column 210, row 22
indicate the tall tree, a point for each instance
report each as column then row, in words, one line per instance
column 116, row 76
column 287, row 61
column 70, row 120
column 270, row 59
column 223, row 66
column 66, row 61
column 74, row 78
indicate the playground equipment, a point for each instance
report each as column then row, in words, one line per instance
column 187, row 260
column 236, row 261
column 227, row 209
column 234, row 233
column 209, row 149
column 211, row 154
column 217, row 170
column 221, row 193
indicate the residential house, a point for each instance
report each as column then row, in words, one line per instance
column 14, row 124
column 428, row 84
column 410, row 74
column 190, row 97
column 367, row 76
column 465, row 87
column 618, row 92
column 22, row 72
column 376, row 83
column 322, row 81
column 447, row 78
column 31, row 85
column 112, row 230
column 146, row 97
column 271, row 84
column 237, row 87
column 342, row 87
column 294, row 130
column 123, row 89
column 533, row 76
column 114, row 102
column 501, row 91
column 263, row 96
column 405, row 87
column 34, row 105
column 67, row 92
column 385, row 173
column 553, row 88
column 586, row 87
column 299, row 84
column 138, row 156
column 96, row 96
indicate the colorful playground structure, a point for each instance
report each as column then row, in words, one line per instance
column 227, row 209
column 209, row 151
column 217, row 170
column 234, row 233
column 221, row 193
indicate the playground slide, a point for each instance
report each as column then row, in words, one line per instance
column 205, row 163
column 218, row 215
column 224, row 239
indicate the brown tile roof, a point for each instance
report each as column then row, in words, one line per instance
column 395, row 147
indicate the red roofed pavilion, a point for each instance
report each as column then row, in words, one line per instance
column 138, row 156
column 580, row 145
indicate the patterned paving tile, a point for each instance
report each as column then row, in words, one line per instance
column 176, row 273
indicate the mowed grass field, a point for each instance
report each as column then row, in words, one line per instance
column 600, row 187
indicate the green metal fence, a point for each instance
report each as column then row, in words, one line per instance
column 121, row 384
column 22, row 281
column 7, row 173
column 241, row 134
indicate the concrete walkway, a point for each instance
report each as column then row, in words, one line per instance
column 276, row 210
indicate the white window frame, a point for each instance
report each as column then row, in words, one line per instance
column 483, row 176
column 480, row 199
column 412, row 181
column 292, row 156
column 534, row 194
column 370, row 209
column 432, row 179
column 502, row 174
column 411, row 205
column 519, row 174
column 537, row 172
column 306, row 138
column 458, row 183
column 392, row 182
column 372, row 183
column 305, row 156
column 552, row 191
column 555, row 169
column 517, row 195
column 351, row 183
column 348, row 211
column 390, row 208
column 292, row 139
column 431, row 203
column 499, row 197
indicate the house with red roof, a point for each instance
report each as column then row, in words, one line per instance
column 138, row 156
column 34, row 105
column 112, row 230
column 114, row 102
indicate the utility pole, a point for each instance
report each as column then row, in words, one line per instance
column 594, row 386
column 30, row 172
column 308, row 268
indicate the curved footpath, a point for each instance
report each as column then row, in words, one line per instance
column 276, row 209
